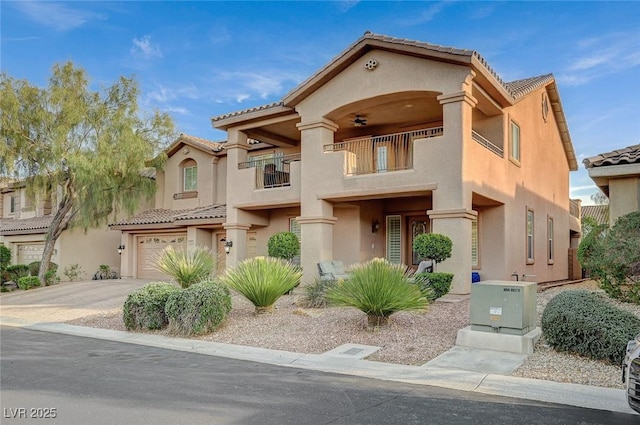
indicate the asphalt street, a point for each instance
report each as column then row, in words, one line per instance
column 91, row 381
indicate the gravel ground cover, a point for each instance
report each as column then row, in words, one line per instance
column 410, row 338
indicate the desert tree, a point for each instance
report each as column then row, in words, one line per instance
column 86, row 149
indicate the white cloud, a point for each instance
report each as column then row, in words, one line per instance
column 143, row 48
column 56, row 15
column 426, row 15
column 599, row 57
column 345, row 5
column 240, row 86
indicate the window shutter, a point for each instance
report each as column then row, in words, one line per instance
column 394, row 239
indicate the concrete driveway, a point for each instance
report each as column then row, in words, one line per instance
column 67, row 301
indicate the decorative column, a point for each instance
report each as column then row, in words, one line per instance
column 452, row 214
column 235, row 226
column 316, row 215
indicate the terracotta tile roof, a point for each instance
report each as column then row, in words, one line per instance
column 598, row 212
column 10, row 225
column 247, row 111
column 214, row 211
column 628, row 155
column 206, row 144
column 523, row 87
column 159, row 216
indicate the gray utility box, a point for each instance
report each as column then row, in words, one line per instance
column 504, row 307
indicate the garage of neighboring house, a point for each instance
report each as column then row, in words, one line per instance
column 149, row 247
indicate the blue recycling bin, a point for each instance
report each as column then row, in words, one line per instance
column 475, row 277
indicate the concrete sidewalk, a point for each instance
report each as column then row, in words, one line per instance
column 462, row 369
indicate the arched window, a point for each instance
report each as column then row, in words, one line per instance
column 189, row 175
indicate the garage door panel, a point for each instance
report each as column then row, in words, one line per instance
column 28, row 253
column 150, row 247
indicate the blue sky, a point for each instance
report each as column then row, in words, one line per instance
column 195, row 60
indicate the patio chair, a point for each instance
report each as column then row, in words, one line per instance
column 332, row 270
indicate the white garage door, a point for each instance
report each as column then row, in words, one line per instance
column 28, row 253
column 150, row 247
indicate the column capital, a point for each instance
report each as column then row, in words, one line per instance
column 322, row 123
column 453, row 213
column 236, row 226
column 461, row 96
column 317, row 219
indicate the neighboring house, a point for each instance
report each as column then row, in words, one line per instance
column 391, row 139
column 600, row 213
column 617, row 174
column 25, row 220
column 189, row 208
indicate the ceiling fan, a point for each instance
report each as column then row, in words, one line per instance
column 359, row 121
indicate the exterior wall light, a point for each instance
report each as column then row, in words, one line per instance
column 375, row 226
column 120, row 249
column 227, row 246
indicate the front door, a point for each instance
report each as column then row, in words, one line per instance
column 416, row 225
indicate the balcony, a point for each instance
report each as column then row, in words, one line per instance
column 487, row 144
column 380, row 154
column 273, row 171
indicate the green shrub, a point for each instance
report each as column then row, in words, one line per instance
column 144, row 307
column 591, row 251
column 584, row 323
column 379, row 289
column 34, row 268
column 262, row 280
column 434, row 285
column 5, row 260
column 51, row 278
column 16, row 271
column 186, row 267
column 199, row 309
column 620, row 259
column 283, row 245
column 28, row 282
column 433, row 246
column 315, row 295
column 73, row 272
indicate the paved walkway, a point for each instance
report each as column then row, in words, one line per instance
column 44, row 309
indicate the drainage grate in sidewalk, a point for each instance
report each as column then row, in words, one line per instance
column 352, row 351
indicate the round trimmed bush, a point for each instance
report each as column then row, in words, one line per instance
column 434, row 285
column 283, row 245
column 585, row 323
column 28, row 282
column 16, row 271
column 433, row 246
column 199, row 309
column 144, row 307
column 34, row 268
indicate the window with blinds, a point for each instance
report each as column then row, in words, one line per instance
column 394, row 239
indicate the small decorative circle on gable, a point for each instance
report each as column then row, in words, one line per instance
column 371, row 64
column 545, row 107
column 185, row 150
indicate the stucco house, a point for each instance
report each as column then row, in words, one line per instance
column 394, row 138
column 617, row 174
column 25, row 220
column 189, row 208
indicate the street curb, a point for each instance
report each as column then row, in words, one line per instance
column 585, row 396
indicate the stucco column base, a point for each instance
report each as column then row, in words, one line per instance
column 317, row 244
column 456, row 224
column 237, row 234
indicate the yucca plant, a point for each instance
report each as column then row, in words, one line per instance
column 379, row 289
column 186, row 267
column 262, row 280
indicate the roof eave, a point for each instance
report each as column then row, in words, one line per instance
column 561, row 122
column 251, row 116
